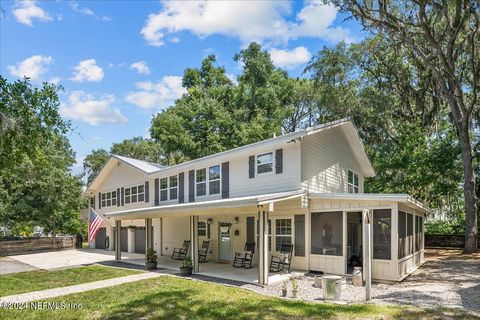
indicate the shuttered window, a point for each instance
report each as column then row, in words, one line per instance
column 173, row 187
column 265, row 163
column 109, row 199
column 135, row 194
column 164, row 189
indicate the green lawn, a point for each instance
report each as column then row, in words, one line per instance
column 176, row 298
column 40, row 280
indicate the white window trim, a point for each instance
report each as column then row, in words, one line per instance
column 262, row 174
column 130, row 195
column 169, row 188
column 207, row 181
column 353, row 184
column 274, row 231
column 111, row 199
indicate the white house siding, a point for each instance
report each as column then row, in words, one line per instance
column 326, row 159
column 175, row 231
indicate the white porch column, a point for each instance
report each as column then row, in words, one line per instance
column 194, row 242
column 131, row 240
column 118, row 231
column 148, row 234
column 157, row 235
column 263, row 247
column 367, row 261
column 111, row 244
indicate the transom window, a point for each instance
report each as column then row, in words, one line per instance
column 109, row 199
column 135, row 194
column 173, row 186
column 214, row 180
column 283, row 232
column 265, row 163
column 164, row 189
column 353, row 185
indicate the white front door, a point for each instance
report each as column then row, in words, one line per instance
column 224, row 241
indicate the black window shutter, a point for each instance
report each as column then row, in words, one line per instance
column 225, row 180
column 147, row 191
column 157, row 191
column 181, row 187
column 278, row 161
column 122, row 197
column 300, row 235
column 118, row 197
column 99, row 200
column 251, row 167
column 250, row 229
column 191, row 186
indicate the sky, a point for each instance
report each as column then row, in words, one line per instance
column 120, row 62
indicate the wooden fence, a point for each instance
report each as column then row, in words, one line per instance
column 12, row 247
column 445, row 240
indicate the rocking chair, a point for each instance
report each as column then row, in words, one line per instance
column 244, row 259
column 181, row 253
column 282, row 262
column 203, row 251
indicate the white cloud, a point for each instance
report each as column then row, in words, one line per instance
column 87, row 70
column 95, row 111
column 141, row 67
column 264, row 21
column 83, row 10
column 54, row 80
column 156, row 95
column 33, row 67
column 290, row 58
column 27, row 10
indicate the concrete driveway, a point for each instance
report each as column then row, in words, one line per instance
column 69, row 258
column 8, row 265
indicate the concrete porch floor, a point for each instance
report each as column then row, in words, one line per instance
column 217, row 269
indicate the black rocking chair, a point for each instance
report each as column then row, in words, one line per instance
column 282, row 262
column 181, row 253
column 203, row 251
column 244, row 259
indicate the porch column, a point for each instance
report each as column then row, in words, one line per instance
column 148, row 234
column 194, row 242
column 263, row 247
column 118, row 231
column 157, row 237
column 131, row 240
column 111, row 244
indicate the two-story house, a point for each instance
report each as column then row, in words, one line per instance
column 303, row 188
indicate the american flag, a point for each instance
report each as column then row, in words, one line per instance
column 94, row 223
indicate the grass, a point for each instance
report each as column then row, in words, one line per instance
column 40, row 280
column 176, row 298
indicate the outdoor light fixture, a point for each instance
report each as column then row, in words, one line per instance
column 235, row 220
column 209, row 221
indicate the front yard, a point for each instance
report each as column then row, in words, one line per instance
column 41, row 280
column 176, row 298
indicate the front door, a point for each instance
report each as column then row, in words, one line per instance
column 224, row 241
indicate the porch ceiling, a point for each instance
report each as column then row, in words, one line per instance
column 197, row 208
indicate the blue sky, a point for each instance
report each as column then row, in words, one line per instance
column 120, row 62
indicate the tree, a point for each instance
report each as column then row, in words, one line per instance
column 444, row 37
column 94, row 162
column 36, row 186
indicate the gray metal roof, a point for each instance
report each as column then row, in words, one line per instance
column 147, row 167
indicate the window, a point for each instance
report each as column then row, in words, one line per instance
column 352, row 182
column 327, row 233
column 109, row 199
column 201, row 179
column 173, row 187
column 265, row 163
column 92, row 202
column 283, row 232
column 418, row 233
column 214, row 180
column 409, row 247
column 164, row 189
column 202, row 228
column 402, row 234
column 382, row 229
column 135, row 194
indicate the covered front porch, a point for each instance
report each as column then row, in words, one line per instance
column 224, row 227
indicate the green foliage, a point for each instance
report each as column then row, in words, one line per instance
column 94, row 162
column 36, row 186
column 443, row 227
column 151, row 255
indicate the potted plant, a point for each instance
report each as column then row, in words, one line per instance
column 284, row 288
column 151, row 259
column 187, row 267
column 294, row 287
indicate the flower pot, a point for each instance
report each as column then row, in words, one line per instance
column 151, row 265
column 294, row 293
column 284, row 292
column 186, row 271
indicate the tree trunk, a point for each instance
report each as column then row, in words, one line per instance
column 469, row 191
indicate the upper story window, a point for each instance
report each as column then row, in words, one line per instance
column 353, row 185
column 201, row 179
column 265, row 163
column 214, row 180
column 109, row 199
column 164, row 189
column 173, row 186
column 135, row 194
